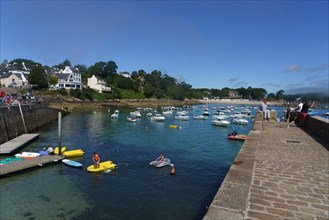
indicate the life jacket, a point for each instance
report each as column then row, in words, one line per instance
column 96, row 157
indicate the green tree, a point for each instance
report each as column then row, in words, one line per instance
column 124, row 83
column 279, row 95
column 38, row 78
column 63, row 64
column 53, row 79
column 271, row 96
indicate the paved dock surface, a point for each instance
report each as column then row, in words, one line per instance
column 280, row 173
column 17, row 143
column 23, row 165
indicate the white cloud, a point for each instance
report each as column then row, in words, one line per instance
column 294, row 68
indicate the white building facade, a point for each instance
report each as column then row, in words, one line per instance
column 98, row 84
column 69, row 78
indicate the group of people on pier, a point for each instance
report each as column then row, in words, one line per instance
column 301, row 112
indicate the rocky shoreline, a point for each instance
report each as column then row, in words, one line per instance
column 72, row 104
column 76, row 105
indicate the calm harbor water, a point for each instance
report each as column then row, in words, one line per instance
column 200, row 152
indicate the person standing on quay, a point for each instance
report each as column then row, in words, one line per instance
column 266, row 112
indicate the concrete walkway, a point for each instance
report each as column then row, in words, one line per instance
column 280, row 173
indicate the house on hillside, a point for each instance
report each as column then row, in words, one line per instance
column 98, row 84
column 16, row 80
column 15, row 75
column 68, row 78
column 234, row 94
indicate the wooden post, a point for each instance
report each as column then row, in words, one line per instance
column 59, row 133
column 20, row 109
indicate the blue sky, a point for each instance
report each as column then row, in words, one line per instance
column 208, row 44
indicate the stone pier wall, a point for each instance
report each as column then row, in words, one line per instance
column 35, row 116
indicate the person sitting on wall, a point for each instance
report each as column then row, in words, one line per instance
column 266, row 112
column 303, row 112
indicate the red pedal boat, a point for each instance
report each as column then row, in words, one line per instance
column 239, row 137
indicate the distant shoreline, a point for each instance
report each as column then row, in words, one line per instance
column 74, row 104
column 239, row 102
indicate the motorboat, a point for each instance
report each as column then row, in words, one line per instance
column 160, row 163
column 149, row 114
column 158, row 117
column 200, row 117
column 205, row 112
column 130, row 119
column 222, row 117
column 326, row 114
column 136, row 114
column 240, row 121
column 220, row 122
column 115, row 116
column 182, row 117
column 27, row 155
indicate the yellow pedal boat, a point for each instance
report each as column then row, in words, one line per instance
column 102, row 166
column 63, row 149
column 73, row 153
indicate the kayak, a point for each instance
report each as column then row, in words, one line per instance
column 72, row 163
column 73, row 153
column 10, row 160
column 43, row 152
column 63, row 149
column 158, row 163
column 239, row 137
column 103, row 166
column 27, row 155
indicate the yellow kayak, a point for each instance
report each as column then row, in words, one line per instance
column 102, row 166
column 173, row 126
column 63, row 149
column 73, row 153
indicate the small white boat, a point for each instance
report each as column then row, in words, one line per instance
column 149, row 114
column 182, row 117
column 135, row 114
column 168, row 112
column 205, row 112
column 240, row 121
column 115, row 116
column 131, row 119
column 326, row 114
column 220, row 122
column 27, row 155
column 200, row 117
column 158, row 163
column 116, row 111
column 158, row 117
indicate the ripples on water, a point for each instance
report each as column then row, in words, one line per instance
column 201, row 153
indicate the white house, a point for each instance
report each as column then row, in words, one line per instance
column 69, row 78
column 13, row 80
column 97, row 84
